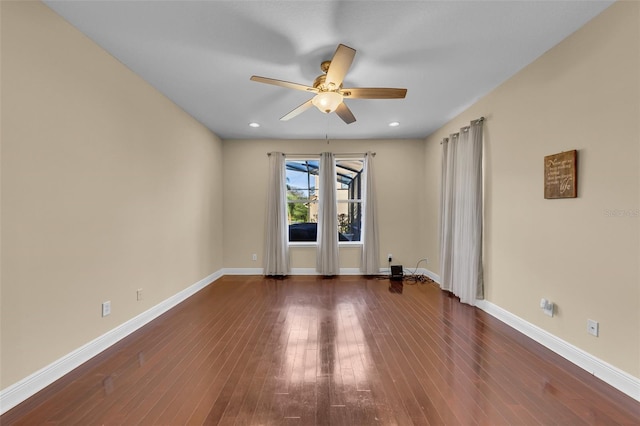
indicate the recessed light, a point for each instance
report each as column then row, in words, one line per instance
column 254, row 124
column 394, row 124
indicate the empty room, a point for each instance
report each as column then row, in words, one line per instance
column 320, row 212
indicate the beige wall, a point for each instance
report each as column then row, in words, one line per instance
column 107, row 187
column 397, row 166
column 583, row 94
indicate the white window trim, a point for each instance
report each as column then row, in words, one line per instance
column 303, row 244
column 315, row 244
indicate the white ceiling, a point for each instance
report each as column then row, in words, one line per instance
column 448, row 54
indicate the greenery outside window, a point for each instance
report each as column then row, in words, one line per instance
column 302, row 199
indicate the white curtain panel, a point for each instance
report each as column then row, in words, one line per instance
column 276, row 251
column 461, row 214
column 327, row 255
column 447, row 201
column 370, row 247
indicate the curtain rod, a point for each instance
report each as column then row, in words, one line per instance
column 338, row 154
column 477, row 120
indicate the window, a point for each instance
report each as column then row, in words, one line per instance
column 349, row 198
column 302, row 199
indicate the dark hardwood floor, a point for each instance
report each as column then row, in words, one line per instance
column 344, row 351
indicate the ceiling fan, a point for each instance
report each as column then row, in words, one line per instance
column 328, row 88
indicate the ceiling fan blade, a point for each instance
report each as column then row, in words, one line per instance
column 374, row 93
column 345, row 113
column 297, row 111
column 283, row 83
column 340, row 64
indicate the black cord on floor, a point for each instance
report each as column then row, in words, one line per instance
column 412, row 277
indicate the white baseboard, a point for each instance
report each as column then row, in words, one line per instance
column 312, row 271
column 617, row 378
column 294, row 271
column 243, row 271
column 435, row 277
column 30, row 385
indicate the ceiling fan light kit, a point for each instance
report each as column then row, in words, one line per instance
column 327, row 101
column 328, row 88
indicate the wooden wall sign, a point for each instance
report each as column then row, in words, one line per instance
column 560, row 175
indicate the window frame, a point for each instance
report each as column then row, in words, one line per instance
column 349, row 200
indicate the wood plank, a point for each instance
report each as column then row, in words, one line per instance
column 314, row 351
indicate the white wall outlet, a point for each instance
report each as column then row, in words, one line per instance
column 547, row 307
column 139, row 294
column 593, row 327
column 106, row 308
column 254, row 257
column 390, row 257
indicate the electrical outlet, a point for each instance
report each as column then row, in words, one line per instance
column 390, row 257
column 593, row 327
column 254, row 257
column 139, row 294
column 547, row 307
column 106, row 308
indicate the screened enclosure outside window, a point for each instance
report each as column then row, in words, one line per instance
column 349, row 198
column 302, row 199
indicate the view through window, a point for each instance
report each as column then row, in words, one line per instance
column 302, row 199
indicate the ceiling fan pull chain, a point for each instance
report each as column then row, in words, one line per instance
column 326, row 133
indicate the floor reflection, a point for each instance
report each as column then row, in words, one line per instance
column 309, row 350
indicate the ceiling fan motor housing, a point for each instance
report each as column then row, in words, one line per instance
column 321, row 84
column 318, row 83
